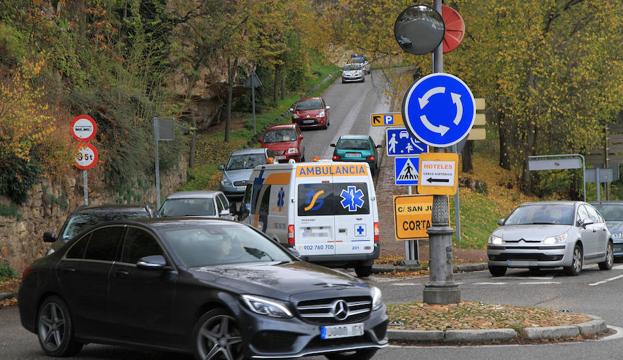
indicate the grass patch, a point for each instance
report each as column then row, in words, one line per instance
column 9, row 210
column 475, row 315
column 6, row 272
column 211, row 149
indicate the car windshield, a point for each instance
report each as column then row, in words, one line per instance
column 351, row 67
column 311, row 104
column 248, row 161
column 188, row 207
column 542, row 215
column 281, row 135
column 80, row 222
column 211, row 245
column 610, row 212
column 358, row 60
column 353, row 144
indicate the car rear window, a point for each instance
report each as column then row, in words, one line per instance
column 188, row 207
column 311, row 104
column 353, row 144
column 281, row 135
column 333, row 199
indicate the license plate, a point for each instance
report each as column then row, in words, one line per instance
column 352, row 155
column 280, row 157
column 341, row 331
column 308, row 122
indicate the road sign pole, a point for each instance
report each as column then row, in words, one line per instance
column 598, row 183
column 412, row 255
column 157, row 160
column 457, row 206
column 85, row 186
column 441, row 288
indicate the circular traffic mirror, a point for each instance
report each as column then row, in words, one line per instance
column 419, row 29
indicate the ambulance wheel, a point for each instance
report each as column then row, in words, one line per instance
column 363, row 271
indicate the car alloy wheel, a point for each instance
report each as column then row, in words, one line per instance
column 576, row 264
column 607, row 264
column 54, row 329
column 218, row 337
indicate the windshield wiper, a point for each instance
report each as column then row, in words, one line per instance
column 257, row 253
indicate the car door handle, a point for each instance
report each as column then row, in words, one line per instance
column 69, row 269
column 121, row 274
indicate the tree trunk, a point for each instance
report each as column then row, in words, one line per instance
column 467, row 156
column 504, row 148
column 275, row 84
column 230, row 90
column 531, row 131
column 282, row 92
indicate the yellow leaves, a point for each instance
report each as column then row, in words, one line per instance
column 24, row 123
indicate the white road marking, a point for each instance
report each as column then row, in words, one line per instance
column 540, row 283
column 530, row 277
column 618, row 267
column 606, row 281
column 406, row 284
column 490, row 283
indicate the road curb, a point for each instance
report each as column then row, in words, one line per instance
column 385, row 269
column 4, row 296
column 587, row 329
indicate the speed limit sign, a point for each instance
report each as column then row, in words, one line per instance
column 86, row 157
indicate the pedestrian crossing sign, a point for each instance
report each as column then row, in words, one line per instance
column 406, row 170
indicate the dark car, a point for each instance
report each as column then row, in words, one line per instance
column 311, row 113
column 86, row 216
column 214, row 288
column 612, row 212
column 357, row 148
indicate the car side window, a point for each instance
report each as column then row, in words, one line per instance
column 77, row 250
column 138, row 244
column 593, row 215
column 264, row 204
column 104, row 243
column 219, row 205
column 224, row 200
column 583, row 215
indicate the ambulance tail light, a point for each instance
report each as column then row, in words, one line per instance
column 336, row 157
column 291, row 240
column 377, row 233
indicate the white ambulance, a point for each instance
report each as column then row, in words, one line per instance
column 326, row 210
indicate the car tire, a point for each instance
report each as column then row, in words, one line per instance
column 497, row 271
column 363, row 79
column 363, row 271
column 577, row 261
column 209, row 336
column 607, row 264
column 365, row 354
column 55, row 329
column 343, row 82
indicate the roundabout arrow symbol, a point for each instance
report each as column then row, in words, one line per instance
column 456, row 100
column 436, row 90
column 439, row 129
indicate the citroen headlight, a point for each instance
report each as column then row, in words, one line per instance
column 321, row 114
column 555, row 239
column 268, row 307
column 377, row 298
column 293, row 151
column 495, row 240
column 225, row 182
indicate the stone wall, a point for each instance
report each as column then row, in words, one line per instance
column 50, row 201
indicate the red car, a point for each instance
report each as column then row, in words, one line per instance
column 311, row 113
column 284, row 142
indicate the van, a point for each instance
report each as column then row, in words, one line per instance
column 326, row 210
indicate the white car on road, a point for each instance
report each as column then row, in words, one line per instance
column 353, row 72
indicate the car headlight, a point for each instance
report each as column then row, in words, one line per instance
column 321, row 114
column 555, row 239
column 293, row 151
column 268, row 307
column 377, row 298
column 495, row 240
column 225, row 182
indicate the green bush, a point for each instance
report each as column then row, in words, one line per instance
column 17, row 176
column 6, row 271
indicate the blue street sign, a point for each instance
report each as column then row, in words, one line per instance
column 439, row 109
column 406, row 170
column 400, row 143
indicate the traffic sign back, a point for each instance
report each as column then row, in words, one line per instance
column 400, row 143
column 439, row 109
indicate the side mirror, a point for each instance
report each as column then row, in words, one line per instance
column 221, row 167
column 153, row 262
column 332, row 145
column 501, row 221
column 328, row 107
column 581, row 224
column 291, row 110
column 48, row 237
column 379, row 146
column 225, row 213
column 294, row 252
column 301, row 137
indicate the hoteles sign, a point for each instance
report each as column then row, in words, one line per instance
column 413, row 216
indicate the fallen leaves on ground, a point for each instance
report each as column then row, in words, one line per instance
column 475, row 315
column 9, row 285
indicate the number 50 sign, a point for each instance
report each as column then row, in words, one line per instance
column 86, row 157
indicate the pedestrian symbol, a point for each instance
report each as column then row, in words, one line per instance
column 406, row 171
column 401, row 143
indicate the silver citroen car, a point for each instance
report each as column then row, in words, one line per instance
column 567, row 234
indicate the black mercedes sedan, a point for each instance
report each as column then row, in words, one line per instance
column 213, row 288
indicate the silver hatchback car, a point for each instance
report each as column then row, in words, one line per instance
column 554, row 234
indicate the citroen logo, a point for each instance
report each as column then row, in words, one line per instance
column 340, row 310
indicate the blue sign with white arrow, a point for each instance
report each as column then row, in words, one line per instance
column 400, row 143
column 406, row 170
column 439, row 109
